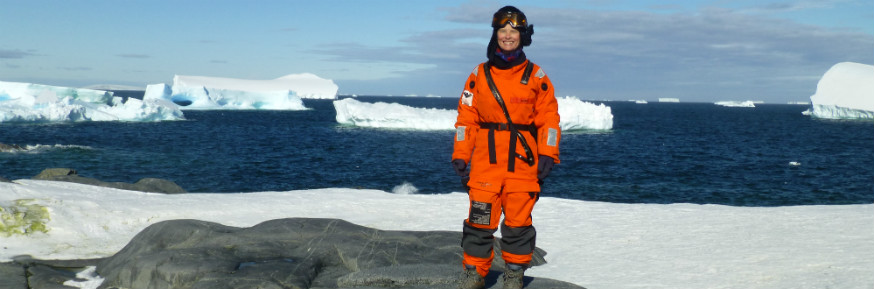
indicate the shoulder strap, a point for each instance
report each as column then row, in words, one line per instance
column 529, row 156
column 527, row 73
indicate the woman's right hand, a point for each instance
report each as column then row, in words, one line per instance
column 460, row 167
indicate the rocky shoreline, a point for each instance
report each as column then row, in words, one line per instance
column 150, row 185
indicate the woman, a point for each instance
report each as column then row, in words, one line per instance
column 507, row 132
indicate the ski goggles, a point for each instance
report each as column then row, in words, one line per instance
column 514, row 19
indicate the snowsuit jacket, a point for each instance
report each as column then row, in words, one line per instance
column 486, row 148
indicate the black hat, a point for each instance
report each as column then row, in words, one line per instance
column 513, row 16
column 516, row 19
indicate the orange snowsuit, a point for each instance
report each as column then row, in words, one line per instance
column 500, row 181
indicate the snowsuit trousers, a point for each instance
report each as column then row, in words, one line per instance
column 517, row 232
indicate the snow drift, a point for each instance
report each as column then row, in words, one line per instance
column 591, row 244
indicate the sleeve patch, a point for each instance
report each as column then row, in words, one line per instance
column 467, row 98
column 459, row 133
column 540, row 73
column 552, row 137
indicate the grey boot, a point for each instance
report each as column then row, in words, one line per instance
column 513, row 276
column 470, row 279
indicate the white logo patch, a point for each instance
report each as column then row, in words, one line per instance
column 467, row 98
column 540, row 73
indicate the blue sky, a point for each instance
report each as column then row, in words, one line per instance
column 698, row 50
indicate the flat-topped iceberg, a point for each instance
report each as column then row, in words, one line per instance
column 748, row 103
column 203, row 93
column 203, row 98
column 304, row 85
column 30, row 102
column 845, row 91
column 575, row 115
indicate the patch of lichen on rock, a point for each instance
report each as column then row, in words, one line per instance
column 23, row 217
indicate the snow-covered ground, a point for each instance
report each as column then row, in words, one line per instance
column 592, row 244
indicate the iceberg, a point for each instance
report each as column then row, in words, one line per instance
column 30, row 102
column 284, row 93
column 845, row 91
column 304, row 85
column 393, row 115
column 748, row 103
column 202, row 98
column 575, row 115
column 582, row 115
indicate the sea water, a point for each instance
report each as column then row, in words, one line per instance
column 770, row 155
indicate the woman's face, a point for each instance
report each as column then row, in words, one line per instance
column 508, row 38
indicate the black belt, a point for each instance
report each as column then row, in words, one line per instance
column 504, row 126
column 492, row 127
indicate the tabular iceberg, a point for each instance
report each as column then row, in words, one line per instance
column 845, row 91
column 575, row 115
column 284, row 93
column 29, row 102
column 748, row 103
column 304, row 85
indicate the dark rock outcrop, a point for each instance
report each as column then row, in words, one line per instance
column 9, row 148
column 151, row 185
column 25, row 272
column 292, row 253
column 12, row 276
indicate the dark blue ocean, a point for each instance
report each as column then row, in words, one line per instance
column 770, row 155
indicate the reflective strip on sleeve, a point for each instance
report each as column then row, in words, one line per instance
column 459, row 133
column 552, row 137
